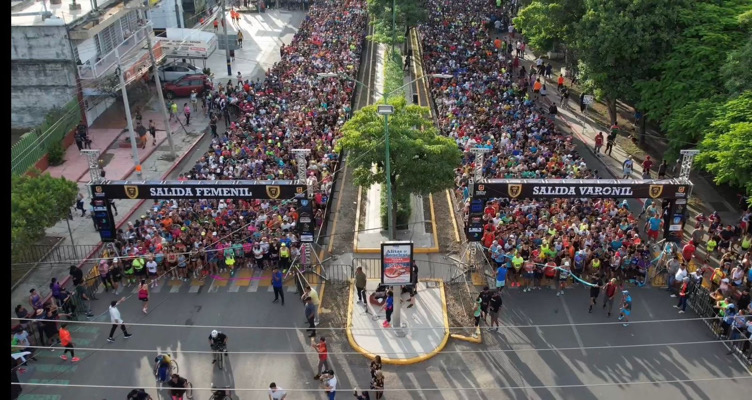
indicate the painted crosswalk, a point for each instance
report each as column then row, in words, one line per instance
column 243, row 281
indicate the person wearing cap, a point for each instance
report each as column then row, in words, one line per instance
column 609, row 293
column 626, row 307
column 728, row 319
column 564, row 273
column 323, row 352
column 682, row 306
column 284, row 255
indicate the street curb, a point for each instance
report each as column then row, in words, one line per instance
column 133, row 210
column 393, row 361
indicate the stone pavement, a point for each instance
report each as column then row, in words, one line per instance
column 426, row 325
column 264, row 34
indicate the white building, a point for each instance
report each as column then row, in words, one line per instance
column 61, row 49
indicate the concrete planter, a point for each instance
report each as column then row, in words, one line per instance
column 554, row 55
column 74, row 6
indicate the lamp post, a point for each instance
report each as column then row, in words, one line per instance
column 385, row 110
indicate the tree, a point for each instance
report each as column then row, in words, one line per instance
column 548, row 23
column 37, row 203
column 726, row 150
column 422, row 161
column 688, row 86
column 408, row 13
column 619, row 40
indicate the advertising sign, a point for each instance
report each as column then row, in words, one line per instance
column 396, row 263
column 580, row 188
column 104, row 222
column 264, row 190
column 306, row 225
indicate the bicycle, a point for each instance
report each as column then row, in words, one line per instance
column 174, row 369
column 219, row 355
column 220, row 394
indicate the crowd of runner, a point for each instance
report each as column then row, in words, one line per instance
column 290, row 109
column 491, row 103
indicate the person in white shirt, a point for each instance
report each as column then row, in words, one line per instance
column 680, row 275
column 117, row 320
column 329, row 384
column 276, row 393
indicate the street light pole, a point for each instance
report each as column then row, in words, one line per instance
column 394, row 26
column 162, row 105
column 388, row 172
column 131, row 133
column 227, row 40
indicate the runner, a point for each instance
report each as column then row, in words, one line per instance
column 626, row 307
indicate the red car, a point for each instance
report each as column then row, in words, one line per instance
column 185, row 85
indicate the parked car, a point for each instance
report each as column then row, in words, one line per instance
column 185, row 85
column 174, row 71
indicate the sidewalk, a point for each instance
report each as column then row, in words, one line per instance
column 426, row 326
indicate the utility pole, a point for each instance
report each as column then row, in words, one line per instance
column 119, row 71
column 227, row 40
column 162, row 105
column 179, row 12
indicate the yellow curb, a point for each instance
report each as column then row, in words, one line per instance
column 393, row 361
column 477, row 339
column 450, row 201
column 336, row 215
column 433, row 222
column 357, row 220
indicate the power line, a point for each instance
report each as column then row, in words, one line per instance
column 393, row 353
column 281, row 328
column 414, row 389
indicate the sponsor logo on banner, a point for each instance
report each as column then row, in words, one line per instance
column 131, row 191
column 654, row 191
column 273, row 192
column 299, row 189
column 514, row 190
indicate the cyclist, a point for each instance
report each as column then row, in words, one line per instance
column 138, row 394
column 164, row 364
column 218, row 342
column 178, row 385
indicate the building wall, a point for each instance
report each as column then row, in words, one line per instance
column 38, row 87
column 43, row 76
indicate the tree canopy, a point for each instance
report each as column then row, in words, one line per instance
column 726, row 150
column 408, row 13
column 684, row 64
column 422, row 161
column 37, row 203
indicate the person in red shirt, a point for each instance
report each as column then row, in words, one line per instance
column 323, row 356
column 560, row 83
column 688, row 251
column 647, row 164
column 682, row 306
column 598, row 142
column 65, row 340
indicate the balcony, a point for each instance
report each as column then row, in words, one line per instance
column 132, row 54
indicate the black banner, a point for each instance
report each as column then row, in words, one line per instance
column 263, row 190
column 306, row 224
column 104, row 221
column 580, row 188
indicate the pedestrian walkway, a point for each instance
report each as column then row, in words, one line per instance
column 426, row 326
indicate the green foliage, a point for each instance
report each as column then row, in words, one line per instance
column 618, row 39
column 737, row 72
column 547, row 23
column 394, row 75
column 408, row 13
column 403, row 207
column 56, row 153
column 726, row 150
column 37, row 203
column 422, row 161
column 687, row 79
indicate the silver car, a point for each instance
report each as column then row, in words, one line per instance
column 174, row 71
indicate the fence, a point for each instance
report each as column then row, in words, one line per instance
column 58, row 254
column 447, row 271
column 701, row 302
column 34, row 144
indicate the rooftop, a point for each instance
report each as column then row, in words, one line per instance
column 29, row 13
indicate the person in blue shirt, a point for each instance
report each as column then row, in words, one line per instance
column 654, row 227
column 501, row 277
column 277, row 285
column 389, row 308
column 626, row 307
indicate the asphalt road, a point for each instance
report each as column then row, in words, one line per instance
column 508, row 362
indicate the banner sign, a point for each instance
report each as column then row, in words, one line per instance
column 181, row 48
column 306, row 224
column 262, row 190
column 581, row 188
column 104, row 222
column 396, row 263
